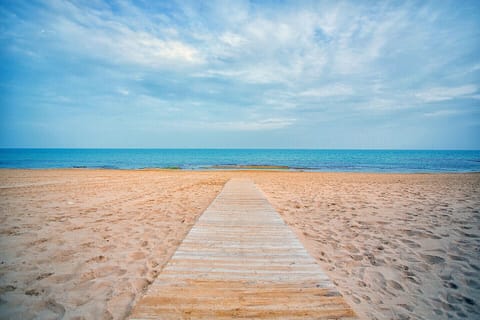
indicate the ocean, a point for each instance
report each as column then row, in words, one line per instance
column 401, row 161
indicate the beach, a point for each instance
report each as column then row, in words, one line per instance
column 86, row 244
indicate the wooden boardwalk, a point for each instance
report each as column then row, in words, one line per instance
column 240, row 260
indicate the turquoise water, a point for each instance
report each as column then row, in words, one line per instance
column 314, row 160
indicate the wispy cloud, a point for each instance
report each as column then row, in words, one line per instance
column 441, row 113
column 253, row 125
column 328, row 91
column 101, row 34
column 240, row 66
column 447, row 93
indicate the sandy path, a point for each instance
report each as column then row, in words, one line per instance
column 241, row 261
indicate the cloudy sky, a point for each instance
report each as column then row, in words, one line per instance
column 260, row 74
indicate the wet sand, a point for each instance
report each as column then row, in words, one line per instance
column 87, row 243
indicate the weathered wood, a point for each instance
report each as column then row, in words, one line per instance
column 240, row 260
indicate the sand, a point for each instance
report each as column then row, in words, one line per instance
column 86, row 244
column 397, row 246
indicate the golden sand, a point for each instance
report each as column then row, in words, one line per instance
column 87, row 243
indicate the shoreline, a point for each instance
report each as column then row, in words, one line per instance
column 283, row 170
column 395, row 245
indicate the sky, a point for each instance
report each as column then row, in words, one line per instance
column 240, row 74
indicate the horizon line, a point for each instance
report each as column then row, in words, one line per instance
column 220, row 148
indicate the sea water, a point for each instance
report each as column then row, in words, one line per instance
column 207, row 159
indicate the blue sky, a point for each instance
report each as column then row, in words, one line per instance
column 240, row 74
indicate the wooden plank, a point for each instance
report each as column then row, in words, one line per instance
column 240, row 260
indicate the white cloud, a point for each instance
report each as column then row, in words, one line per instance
column 255, row 74
column 105, row 36
column 232, row 39
column 254, row 125
column 123, row 91
column 328, row 91
column 440, row 113
column 328, row 21
column 288, row 61
column 146, row 49
column 446, row 93
column 475, row 67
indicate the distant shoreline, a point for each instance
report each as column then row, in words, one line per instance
column 246, row 170
column 394, row 161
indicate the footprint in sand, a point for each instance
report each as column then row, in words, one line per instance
column 87, row 276
column 37, row 242
column 457, row 258
column 59, row 278
column 411, row 244
column 89, row 244
column 137, row 255
column 97, row 259
column 430, row 259
column 356, row 300
column 32, row 292
column 56, row 308
column 119, row 305
column 395, row 285
column 108, row 271
column 472, row 284
column 451, row 285
column 44, row 275
column 376, row 277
